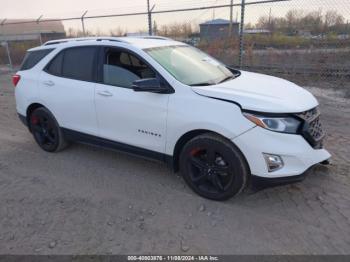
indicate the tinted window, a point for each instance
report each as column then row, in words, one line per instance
column 34, row 57
column 122, row 69
column 55, row 66
column 125, row 59
column 78, row 63
column 135, row 61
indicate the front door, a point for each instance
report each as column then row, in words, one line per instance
column 134, row 118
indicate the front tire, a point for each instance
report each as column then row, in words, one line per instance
column 46, row 130
column 213, row 167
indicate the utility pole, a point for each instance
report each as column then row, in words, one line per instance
column 231, row 18
column 241, row 40
column 149, row 11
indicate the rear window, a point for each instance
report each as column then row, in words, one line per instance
column 34, row 57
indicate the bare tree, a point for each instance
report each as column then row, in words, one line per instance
column 117, row 32
column 297, row 20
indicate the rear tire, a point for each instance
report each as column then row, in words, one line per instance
column 46, row 130
column 213, row 167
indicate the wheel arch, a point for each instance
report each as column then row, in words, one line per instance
column 31, row 109
column 181, row 142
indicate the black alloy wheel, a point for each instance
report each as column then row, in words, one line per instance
column 46, row 131
column 213, row 167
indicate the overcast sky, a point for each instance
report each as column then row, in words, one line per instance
column 73, row 8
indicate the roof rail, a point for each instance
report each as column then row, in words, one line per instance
column 153, row 37
column 66, row 40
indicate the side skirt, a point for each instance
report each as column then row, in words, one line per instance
column 75, row 136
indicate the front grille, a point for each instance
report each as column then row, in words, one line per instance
column 309, row 115
column 312, row 129
column 315, row 129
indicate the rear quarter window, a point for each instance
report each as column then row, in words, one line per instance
column 55, row 66
column 34, row 57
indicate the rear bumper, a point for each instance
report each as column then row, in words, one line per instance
column 295, row 151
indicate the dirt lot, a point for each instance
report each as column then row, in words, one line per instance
column 87, row 200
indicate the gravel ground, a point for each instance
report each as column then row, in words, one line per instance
column 87, row 200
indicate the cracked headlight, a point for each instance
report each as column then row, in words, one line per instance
column 286, row 124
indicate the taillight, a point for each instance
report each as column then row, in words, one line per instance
column 15, row 79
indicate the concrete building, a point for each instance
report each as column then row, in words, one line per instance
column 217, row 29
column 30, row 31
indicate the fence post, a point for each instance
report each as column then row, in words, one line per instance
column 149, row 11
column 6, row 45
column 241, row 38
column 39, row 30
column 2, row 26
column 82, row 22
column 231, row 20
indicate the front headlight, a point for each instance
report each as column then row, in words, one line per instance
column 279, row 124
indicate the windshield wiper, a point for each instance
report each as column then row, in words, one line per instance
column 203, row 84
column 215, row 83
column 227, row 78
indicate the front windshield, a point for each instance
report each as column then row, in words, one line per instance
column 189, row 65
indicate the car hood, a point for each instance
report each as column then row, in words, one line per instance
column 262, row 93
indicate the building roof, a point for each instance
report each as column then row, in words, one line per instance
column 218, row 21
column 21, row 37
column 29, row 28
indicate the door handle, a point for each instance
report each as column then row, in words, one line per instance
column 49, row 83
column 105, row 93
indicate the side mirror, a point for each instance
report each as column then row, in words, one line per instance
column 148, row 85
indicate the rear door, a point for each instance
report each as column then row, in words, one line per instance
column 67, row 87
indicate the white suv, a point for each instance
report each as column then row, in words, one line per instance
column 166, row 100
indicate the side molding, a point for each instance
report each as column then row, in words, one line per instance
column 75, row 136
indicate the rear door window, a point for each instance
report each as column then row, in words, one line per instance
column 34, row 57
column 78, row 63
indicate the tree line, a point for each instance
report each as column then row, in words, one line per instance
column 315, row 22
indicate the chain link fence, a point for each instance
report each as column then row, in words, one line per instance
column 307, row 42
